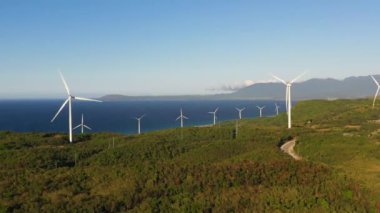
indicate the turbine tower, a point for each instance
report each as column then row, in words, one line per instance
column 214, row 113
column 240, row 111
column 82, row 125
column 377, row 91
column 69, row 100
column 288, row 97
column 181, row 116
column 261, row 110
column 139, row 124
column 277, row 107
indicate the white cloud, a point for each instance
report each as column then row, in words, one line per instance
column 234, row 86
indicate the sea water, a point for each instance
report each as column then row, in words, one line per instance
column 35, row 115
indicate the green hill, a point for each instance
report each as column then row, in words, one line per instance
column 203, row 169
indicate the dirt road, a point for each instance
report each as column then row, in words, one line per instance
column 288, row 148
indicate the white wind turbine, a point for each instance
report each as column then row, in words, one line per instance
column 69, row 100
column 214, row 113
column 240, row 111
column 139, row 124
column 261, row 110
column 377, row 91
column 181, row 116
column 82, row 125
column 277, row 107
column 288, row 97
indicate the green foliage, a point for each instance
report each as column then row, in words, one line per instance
column 194, row 169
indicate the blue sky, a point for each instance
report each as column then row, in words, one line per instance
column 156, row 47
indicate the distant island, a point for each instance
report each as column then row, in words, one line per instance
column 348, row 88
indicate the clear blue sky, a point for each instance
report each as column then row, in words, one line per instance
column 140, row 47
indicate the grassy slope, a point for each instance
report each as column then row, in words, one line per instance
column 197, row 169
column 344, row 134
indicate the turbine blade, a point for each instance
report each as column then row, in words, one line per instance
column 87, row 127
column 178, row 118
column 296, row 78
column 216, row 109
column 374, row 99
column 64, row 83
column 86, row 99
column 60, row 109
column 284, row 82
column 185, row 117
column 142, row 116
column 374, row 79
column 77, row 126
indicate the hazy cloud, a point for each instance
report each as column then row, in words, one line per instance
column 234, row 86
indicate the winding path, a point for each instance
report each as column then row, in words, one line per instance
column 288, row 148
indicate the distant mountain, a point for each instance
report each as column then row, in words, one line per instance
column 184, row 97
column 351, row 87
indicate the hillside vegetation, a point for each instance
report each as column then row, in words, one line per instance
column 203, row 169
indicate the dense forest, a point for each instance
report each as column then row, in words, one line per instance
column 209, row 169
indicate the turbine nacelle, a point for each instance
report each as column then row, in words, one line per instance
column 82, row 125
column 68, row 101
column 240, row 111
column 181, row 117
column 138, row 123
column 214, row 113
column 139, row 118
column 288, row 98
column 261, row 110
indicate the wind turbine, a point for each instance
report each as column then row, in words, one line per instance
column 69, row 100
column 261, row 110
column 240, row 111
column 181, row 116
column 277, row 107
column 82, row 125
column 377, row 91
column 288, row 97
column 214, row 113
column 139, row 124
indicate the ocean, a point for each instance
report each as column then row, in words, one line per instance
column 35, row 115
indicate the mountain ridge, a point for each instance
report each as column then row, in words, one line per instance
column 316, row 88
